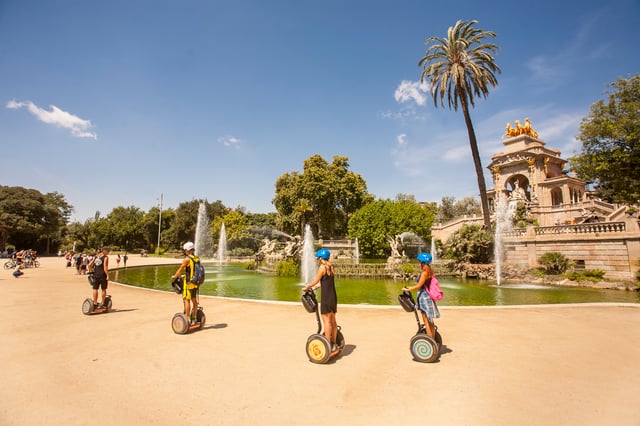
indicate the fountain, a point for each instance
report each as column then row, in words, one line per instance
column 356, row 252
column 203, row 241
column 308, row 265
column 433, row 250
column 505, row 211
column 222, row 244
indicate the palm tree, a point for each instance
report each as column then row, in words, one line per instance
column 462, row 67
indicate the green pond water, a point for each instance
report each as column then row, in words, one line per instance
column 236, row 282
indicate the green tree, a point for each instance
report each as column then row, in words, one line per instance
column 450, row 209
column 124, row 228
column 34, row 219
column 377, row 220
column 324, row 195
column 610, row 138
column 183, row 225
column 460, row 68
column 470, row 244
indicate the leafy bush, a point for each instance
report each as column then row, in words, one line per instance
column 287, row 268
column 470, row 244
column 555, row 263
column 594, row 275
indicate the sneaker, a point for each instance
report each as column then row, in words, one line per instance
column 193, row 321
column 334, row 348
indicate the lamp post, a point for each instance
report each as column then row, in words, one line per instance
column 159, row 226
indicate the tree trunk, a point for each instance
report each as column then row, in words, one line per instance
column 482, row 187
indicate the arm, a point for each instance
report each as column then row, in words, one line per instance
column 424, row 276
column 184, row 264
column 314, row 284
column 105, row 265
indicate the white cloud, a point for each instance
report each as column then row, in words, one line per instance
column 411, row 91
column 402, row 139
column 229, row 140
column 79, row 127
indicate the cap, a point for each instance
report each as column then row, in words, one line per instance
column 188, row 246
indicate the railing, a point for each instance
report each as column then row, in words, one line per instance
column 583, row 228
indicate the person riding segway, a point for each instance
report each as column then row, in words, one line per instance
column 425, row 345
column 188, row 284
column 321, row 347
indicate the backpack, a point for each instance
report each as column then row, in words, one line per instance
column 197, row 276
column 433, row 289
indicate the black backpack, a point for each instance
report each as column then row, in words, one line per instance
column 198, row 271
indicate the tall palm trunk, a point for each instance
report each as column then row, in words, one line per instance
column 482, row 187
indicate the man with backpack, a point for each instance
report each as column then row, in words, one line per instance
column 192, row 278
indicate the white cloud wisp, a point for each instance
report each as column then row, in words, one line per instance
column 79, row 128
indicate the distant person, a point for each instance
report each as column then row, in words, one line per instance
column 100, row 267
column 118, row 260
column 124, row 259
column 426, row 305
column 189, row 290
column 328, row 297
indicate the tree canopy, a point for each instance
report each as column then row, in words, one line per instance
column 324, row 195
column 610, row 137
column 33, row 219
column 378, row 220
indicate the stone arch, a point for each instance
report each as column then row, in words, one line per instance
column 518, row 187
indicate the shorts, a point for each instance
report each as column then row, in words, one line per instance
column 190, row 291
column 100, row 282
column 427, row 305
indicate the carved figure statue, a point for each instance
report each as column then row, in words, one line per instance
column 396, row 245
column 292, row 247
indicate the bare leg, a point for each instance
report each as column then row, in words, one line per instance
column 104, row 296
column 428, row 326
column 95, row 296
column 328, row 329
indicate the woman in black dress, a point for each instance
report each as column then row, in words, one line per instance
column 328, row 299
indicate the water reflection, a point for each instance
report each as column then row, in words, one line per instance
column 233, row 281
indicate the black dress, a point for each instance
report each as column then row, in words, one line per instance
column 329, row 298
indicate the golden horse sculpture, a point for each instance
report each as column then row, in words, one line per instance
column 520, row 129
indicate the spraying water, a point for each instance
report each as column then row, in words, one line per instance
column 433, row 249
column 222, row 244
column 308, row 266
column 203, row 241
column 356, row 252
column 504, row 222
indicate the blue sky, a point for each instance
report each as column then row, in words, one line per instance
column 113, row 103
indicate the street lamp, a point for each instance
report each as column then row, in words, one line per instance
column 159, row 226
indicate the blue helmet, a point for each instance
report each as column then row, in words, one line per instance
column 323, row 253
column 424, row 258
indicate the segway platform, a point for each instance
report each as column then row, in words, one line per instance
column 423, row 347
column 318, row 347
column 181, row 324
column 89, row 308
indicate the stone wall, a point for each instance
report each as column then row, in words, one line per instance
column 613, row 247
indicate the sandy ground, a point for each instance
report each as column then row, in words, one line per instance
column 536, row 365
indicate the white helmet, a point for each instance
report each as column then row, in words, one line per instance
column 188, row 246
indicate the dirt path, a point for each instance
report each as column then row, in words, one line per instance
column 560, row 365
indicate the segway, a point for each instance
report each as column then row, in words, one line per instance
column 318, row 346
column 423, row 347
column 180, row 322
column 89, row 308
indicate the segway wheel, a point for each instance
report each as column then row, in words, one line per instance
column 424, row 348
column 87, row 306
column 180, row 323
column 201, row 317
column 109, row 304
column 340, row 339
column 438, row 339
column 318, row 349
